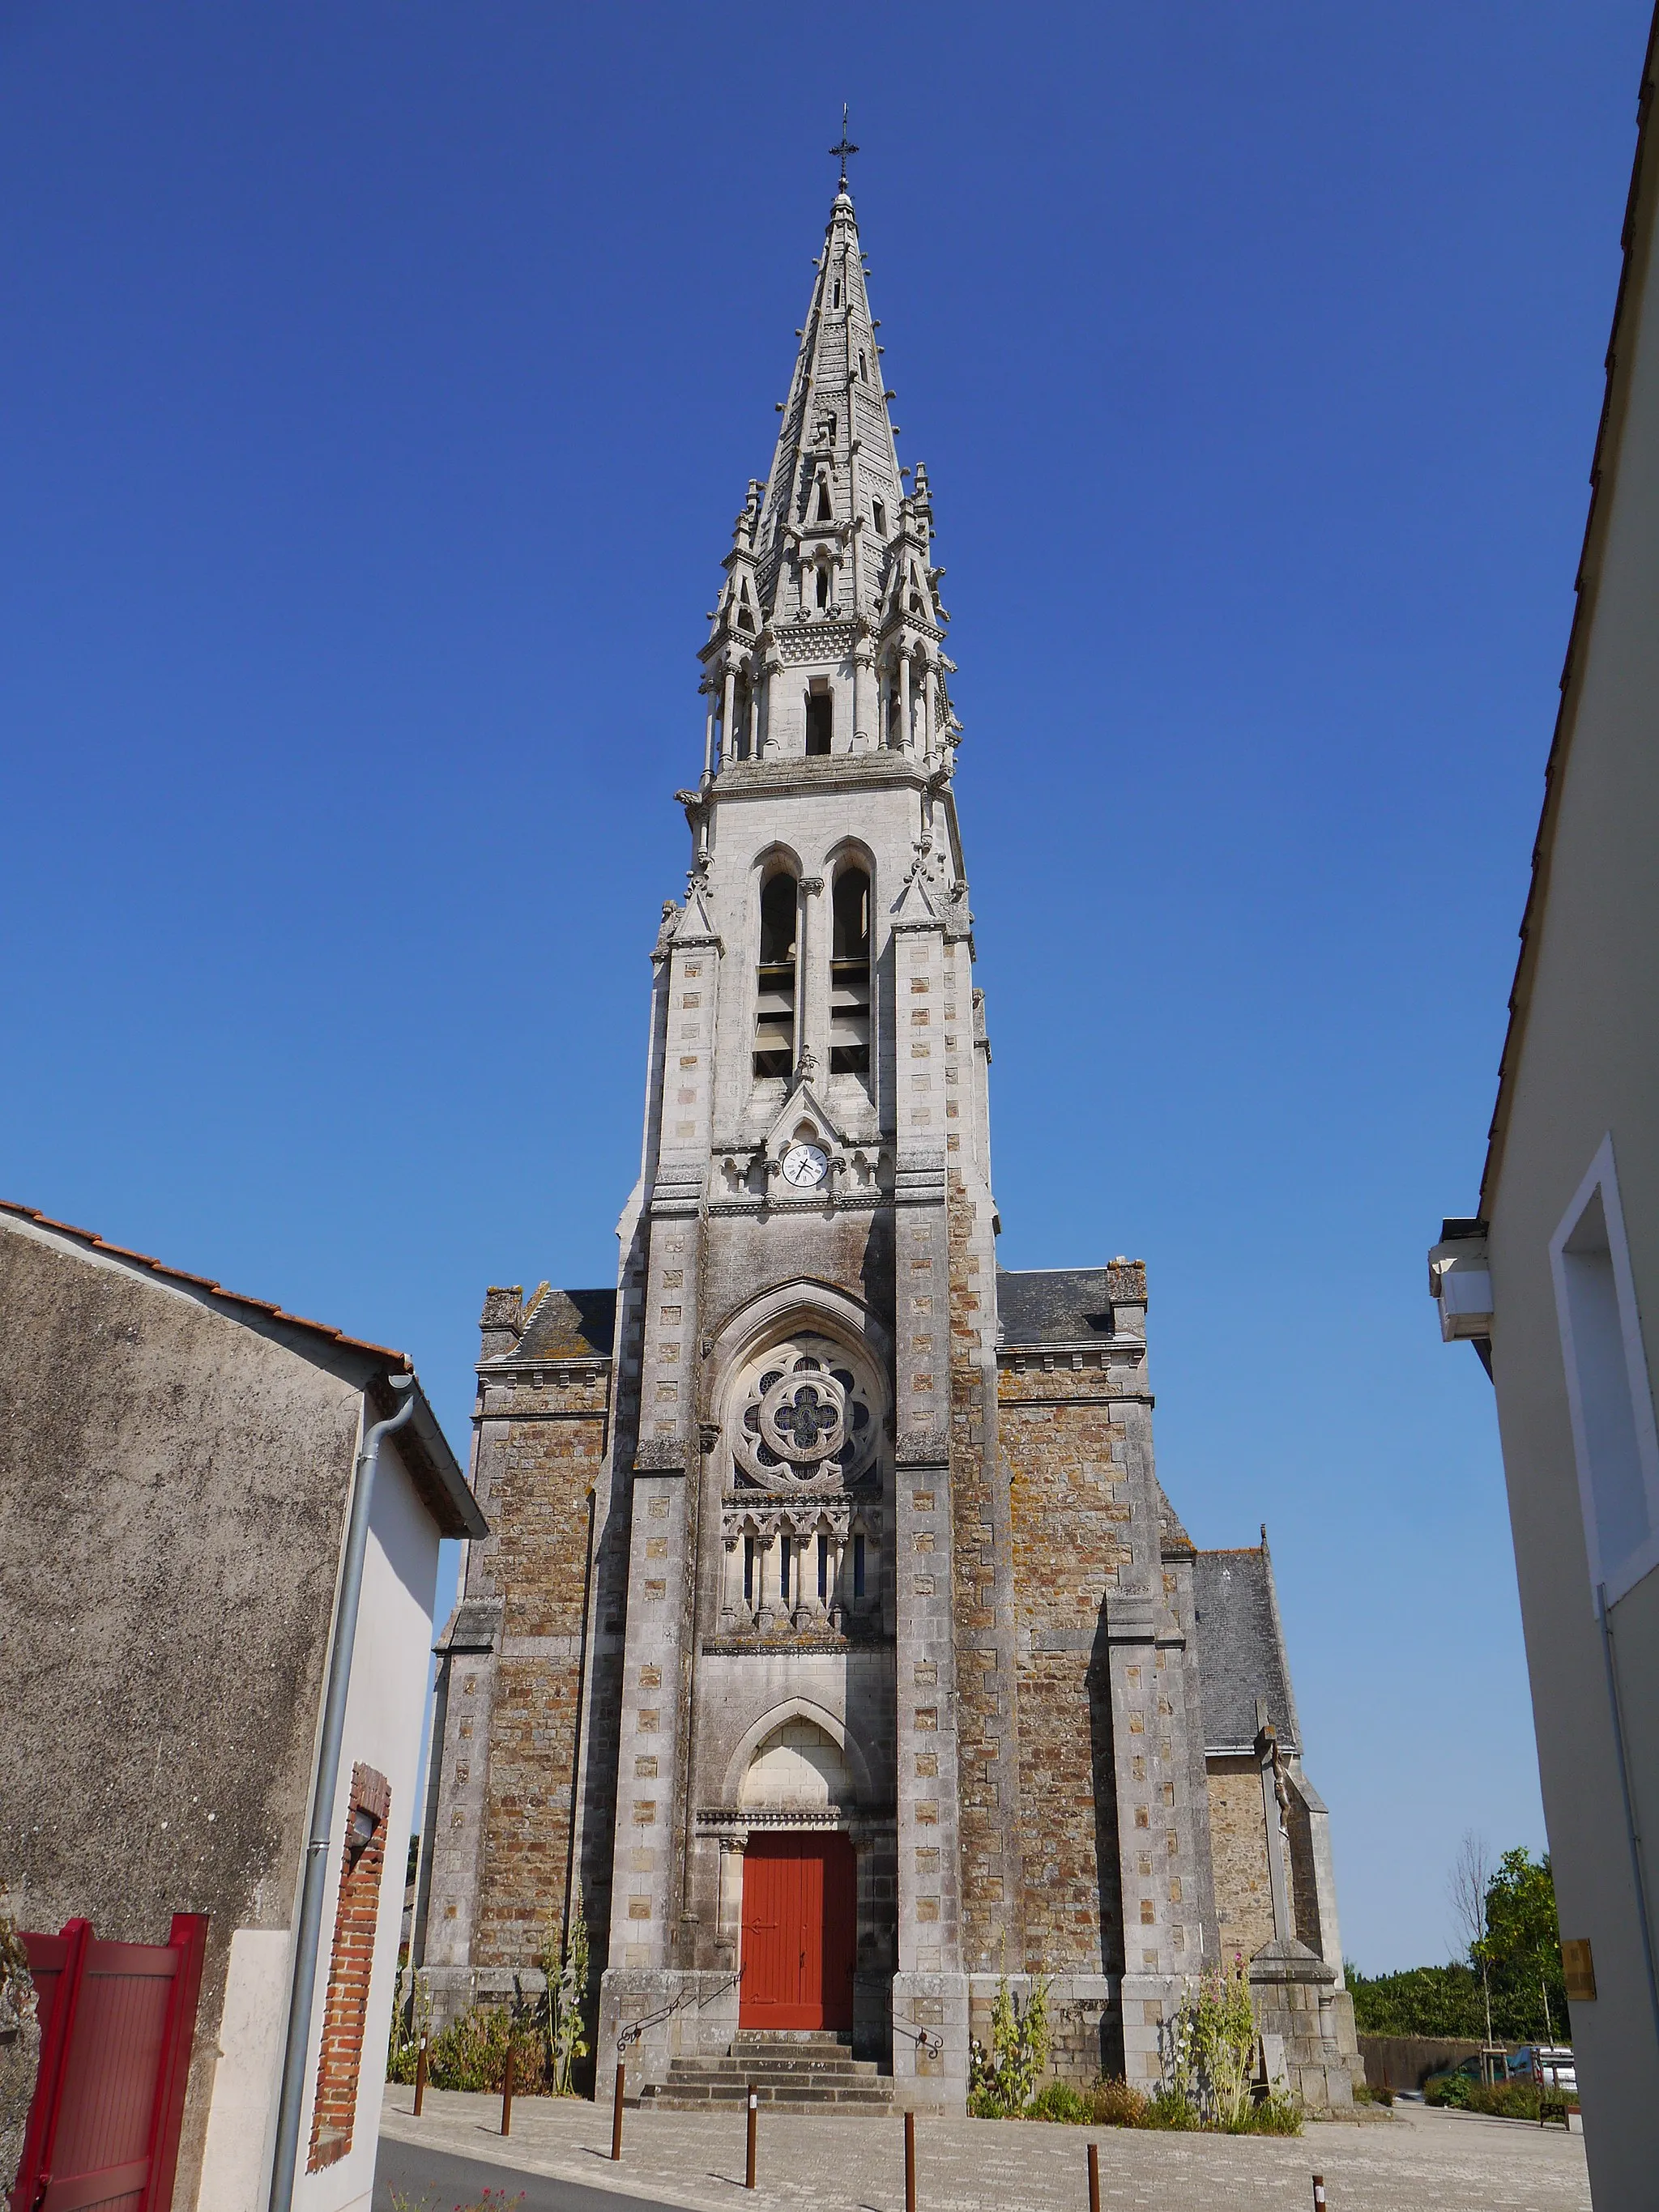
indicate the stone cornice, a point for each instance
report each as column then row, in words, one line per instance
column 1119, row 1347
column 856, row 1201
column 762, row 778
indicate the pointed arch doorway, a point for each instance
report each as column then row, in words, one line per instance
column 800, row 1885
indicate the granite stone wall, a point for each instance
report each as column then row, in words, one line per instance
column 543, row 1509
column 1238, row 1846
column 1062, row 1443
column 988, row 1722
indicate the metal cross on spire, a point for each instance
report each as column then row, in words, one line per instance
column 845, row 148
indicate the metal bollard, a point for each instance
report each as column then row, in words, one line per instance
column 616, row 2110
column 1094, row 2178
column 420, row 2079
column 507, row 2094
column 909, row 2162
column 1319, row 2192
column 754, row 2109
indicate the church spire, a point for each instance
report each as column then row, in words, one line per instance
column 833, row 496
column 831, row 546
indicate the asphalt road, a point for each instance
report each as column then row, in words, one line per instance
column 434, row 2181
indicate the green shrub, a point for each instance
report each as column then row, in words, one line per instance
column 1168, row 2108
column 470, row 2053
column 1117, row 2104
column 1000, row 2081
column 1059, row 2100
column 1453, row 2090
column 1273, row 2115
column 1211, row 2048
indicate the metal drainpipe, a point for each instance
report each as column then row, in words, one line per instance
column 322, row 1809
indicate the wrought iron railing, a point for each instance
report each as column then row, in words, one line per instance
column 687, row 1999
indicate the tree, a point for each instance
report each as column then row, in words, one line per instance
column 1467, row 1887
column 1520, row 1949
column 1417, row 2001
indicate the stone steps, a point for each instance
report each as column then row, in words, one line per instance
column 805, row 2072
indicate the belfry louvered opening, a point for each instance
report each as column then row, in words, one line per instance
column 849, row 973
column 774, row 993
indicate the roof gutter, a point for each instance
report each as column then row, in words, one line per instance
column 292, row 2098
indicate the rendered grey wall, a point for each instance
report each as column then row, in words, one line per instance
column 172, row 1485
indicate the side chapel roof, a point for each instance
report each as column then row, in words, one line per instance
column 1241, row 1650
column 554, row 1325
column 570, row 1325
column 1065, row 1305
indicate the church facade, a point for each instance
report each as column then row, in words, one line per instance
column 834, row 1645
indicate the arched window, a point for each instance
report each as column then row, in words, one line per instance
column 849, row 973
column 824, row 583
column 826, row 512
column 774, row 995
column 878, row 516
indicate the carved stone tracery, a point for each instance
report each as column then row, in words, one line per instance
column 804, row 1423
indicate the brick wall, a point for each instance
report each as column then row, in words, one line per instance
column 351, row 1962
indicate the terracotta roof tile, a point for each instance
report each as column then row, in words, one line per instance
column 396, row 1359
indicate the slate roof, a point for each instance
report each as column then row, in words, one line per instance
column 569, row 1325
column 1241, row 1650
column 1063, row 1305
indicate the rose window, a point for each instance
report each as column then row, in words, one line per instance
column 804, row 1417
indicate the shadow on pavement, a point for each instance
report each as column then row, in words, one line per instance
column 437, row 2181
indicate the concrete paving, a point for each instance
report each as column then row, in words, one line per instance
column 1418, row 2161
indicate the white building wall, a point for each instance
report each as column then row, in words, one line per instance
column 385, row 1708
column 1581, row 1087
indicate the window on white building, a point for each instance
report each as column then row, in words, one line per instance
column 1613, row 1435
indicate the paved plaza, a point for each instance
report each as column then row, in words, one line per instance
column 1417, row 2161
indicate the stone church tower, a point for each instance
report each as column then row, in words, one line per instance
column 835, row 1642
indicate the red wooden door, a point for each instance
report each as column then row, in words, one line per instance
column 116, row 2026
column 800, row 1932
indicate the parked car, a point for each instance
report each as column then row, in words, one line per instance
column 1551, row 2065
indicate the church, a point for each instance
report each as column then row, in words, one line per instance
column 834, row 1648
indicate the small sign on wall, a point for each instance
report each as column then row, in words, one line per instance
column 1579, row 1967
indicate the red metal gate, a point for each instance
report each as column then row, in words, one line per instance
column 799, row 1931
column 116, row 2024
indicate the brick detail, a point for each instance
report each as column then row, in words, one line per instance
column 351, row 1963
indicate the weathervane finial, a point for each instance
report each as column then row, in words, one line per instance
column 845, row 148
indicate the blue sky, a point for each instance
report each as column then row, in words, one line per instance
column 380, row 382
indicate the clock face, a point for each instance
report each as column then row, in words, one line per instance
column 803, row 1165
